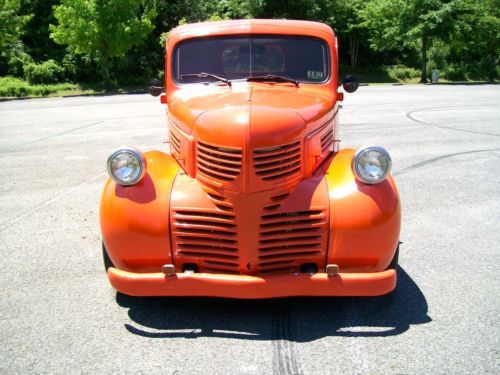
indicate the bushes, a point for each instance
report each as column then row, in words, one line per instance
column 486, row 69
column 47, row 72
column 10, row 86
column 402, row 73
column 17, row 58
column 454, row 72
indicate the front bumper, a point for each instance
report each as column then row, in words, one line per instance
column 252, row 287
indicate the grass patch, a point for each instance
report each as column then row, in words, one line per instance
column 368, row 74
column 402, row 74
column 11, row 87
column 15, row 87
column 382, row 74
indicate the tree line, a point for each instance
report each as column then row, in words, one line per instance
column 116, row 41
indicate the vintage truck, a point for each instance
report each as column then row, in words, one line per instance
column 255, row 198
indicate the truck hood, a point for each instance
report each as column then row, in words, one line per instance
column 263, row 114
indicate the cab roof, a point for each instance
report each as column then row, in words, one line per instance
column 251, row 26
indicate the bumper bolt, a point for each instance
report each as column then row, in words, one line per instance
column 332, row 269
column 168, row 269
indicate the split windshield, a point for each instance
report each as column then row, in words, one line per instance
column 301, row 59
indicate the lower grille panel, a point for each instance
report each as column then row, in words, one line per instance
column 214, row 230
column 207, row 238
column 286, row 237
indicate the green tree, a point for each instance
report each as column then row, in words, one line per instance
column 102, row 29
column 36, row 36
column 477, row 37
column 398, row 24
column 11, row 22
column 347, row 22
column 290, row 9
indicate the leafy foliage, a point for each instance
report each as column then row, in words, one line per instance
column 399, row 24
column 11, row 22
column 47, row 72
column 102, row 29
column 123, row 40
column 17, row 58
column 402, row 73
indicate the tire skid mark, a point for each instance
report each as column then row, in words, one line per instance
column 412, row 117
column 354, row 344
column 284, row 351
column 438, row 158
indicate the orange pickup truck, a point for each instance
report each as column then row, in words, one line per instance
column 255, row 198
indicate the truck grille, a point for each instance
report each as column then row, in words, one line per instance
column 221, row 163
column 327, row 139
column 207, row 238
column 284, row 237
column 220, row 201
column 276, row 201
column 275, row 162
column 175, row 142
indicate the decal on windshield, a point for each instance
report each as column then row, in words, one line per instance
column 313, row 74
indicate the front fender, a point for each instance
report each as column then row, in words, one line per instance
column 365, row 220
column 135, row 219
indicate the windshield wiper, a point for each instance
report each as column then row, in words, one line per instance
column 273, row 77
column 206, row 75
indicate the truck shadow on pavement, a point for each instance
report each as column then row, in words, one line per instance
column 300, row 319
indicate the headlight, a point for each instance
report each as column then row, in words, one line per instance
column 371, row 164
column 126, row 166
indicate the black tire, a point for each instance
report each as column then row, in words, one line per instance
column 394, row 262
column 105, row 257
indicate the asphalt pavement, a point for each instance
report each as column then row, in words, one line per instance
column 58, row 313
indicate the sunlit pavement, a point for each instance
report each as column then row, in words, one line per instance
column 58, row 313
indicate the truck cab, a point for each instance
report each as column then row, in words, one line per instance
column 255, row 198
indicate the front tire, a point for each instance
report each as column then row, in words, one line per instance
column 395, row 260
column 105, row 257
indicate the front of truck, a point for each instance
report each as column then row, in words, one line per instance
column 255, row 199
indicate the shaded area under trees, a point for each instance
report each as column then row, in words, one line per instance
column 117, row 41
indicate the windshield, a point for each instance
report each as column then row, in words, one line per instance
column 303, row 59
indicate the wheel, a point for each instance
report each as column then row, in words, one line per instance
column 394, row 262
column 107, row 260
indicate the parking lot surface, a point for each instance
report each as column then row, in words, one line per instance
column 58, row 313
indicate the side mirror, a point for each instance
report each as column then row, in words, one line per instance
column 155, row 87
column 350, row 84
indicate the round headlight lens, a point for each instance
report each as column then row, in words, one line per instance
column 372, row 164
column 126, row 166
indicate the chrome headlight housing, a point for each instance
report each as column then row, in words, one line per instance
column 126, row 166
column 371, row 164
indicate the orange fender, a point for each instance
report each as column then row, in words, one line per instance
column 134, row 219
column 365, row 220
